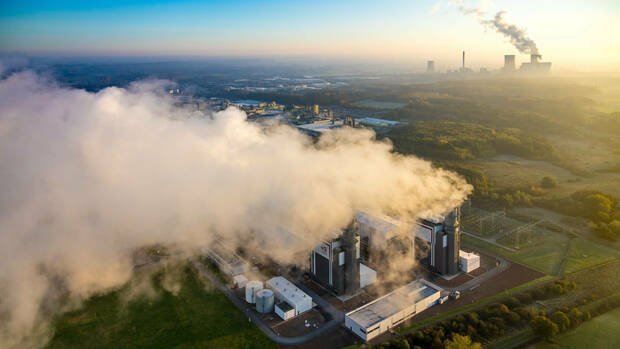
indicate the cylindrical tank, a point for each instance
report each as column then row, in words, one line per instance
column 264, row 301
column 250, row 290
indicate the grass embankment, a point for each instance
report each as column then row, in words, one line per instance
column 193, row 318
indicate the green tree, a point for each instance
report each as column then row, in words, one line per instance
column 548, row 182
column 598, row 207
column 461, row 342
column 544, row 327
column 614, row 226
column 560, row 319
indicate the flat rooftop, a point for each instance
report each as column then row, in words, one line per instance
column 390, row 304
column 288, row 291
column 380, row 223
column 321, row 126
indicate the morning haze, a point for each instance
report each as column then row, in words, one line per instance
column 440, row 174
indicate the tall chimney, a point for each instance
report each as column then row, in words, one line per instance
column 463, row 59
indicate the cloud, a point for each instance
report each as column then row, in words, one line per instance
column 88, row 178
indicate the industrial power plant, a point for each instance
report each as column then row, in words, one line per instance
column 533, row 66
column 354, row 260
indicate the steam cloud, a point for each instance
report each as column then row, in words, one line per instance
column 517, row 36
column 87, row 178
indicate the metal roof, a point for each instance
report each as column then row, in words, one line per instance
column 288, row 291
column 390, row 304
column 381, row 223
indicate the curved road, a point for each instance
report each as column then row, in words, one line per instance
column 337, row 317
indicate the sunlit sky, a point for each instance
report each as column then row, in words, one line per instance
column 575, row 35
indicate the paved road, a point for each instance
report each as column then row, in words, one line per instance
column 337, row 317
column 504, row 264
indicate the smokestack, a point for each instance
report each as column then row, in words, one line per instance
column 535, row 58
column 351, row 264
column 463, row 60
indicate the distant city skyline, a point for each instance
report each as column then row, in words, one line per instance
column 574, row 35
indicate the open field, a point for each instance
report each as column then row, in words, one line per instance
column 601, row 332
column 508, row 170
column 583, row 253
column 193, row 318
column 542, row 256
column 379, row 104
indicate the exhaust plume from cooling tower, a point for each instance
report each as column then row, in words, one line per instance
column 87, row 178
column 517, row 36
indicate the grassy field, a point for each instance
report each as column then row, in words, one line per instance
column 193, row 318
column 584, row 253
column 508, row 170
column 601, row 332
column 542, row 256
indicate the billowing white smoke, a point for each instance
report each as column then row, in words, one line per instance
column 86, row 178
column 518, row 36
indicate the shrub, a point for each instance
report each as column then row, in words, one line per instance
column 461, row 342
column 548, row 182
column 560, row 319
column 544, row 327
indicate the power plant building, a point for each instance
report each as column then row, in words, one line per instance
column 535, row 65
column 430, row 66
column 336, row 263
column 382, row 314
column 443, row 235
column 509, row 63
column 291, row 301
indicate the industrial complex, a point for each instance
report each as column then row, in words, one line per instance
column 350, row 265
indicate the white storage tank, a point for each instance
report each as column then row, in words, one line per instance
column 250, row 290
column 264, row 301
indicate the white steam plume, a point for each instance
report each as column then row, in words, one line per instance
column 517, row 36
column 86, row 178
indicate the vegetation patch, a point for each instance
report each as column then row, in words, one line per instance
column 193, row 318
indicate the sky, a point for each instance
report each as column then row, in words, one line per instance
column 575, row 35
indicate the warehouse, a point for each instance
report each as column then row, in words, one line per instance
column 227, row 260
column 291, row 301
column 468, row 261
column 384, row 313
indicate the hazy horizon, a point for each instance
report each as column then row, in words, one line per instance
column 574, row 36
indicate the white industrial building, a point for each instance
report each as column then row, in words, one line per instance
column 291, row 301
column 386, row 312
column 468, row 261
column 227, row 260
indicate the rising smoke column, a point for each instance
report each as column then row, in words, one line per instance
column 517, row 36
column 87, row 178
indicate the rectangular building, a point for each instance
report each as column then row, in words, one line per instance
column 227, row 260
column 382, row 314
column 291, row 300
column 468, row 261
